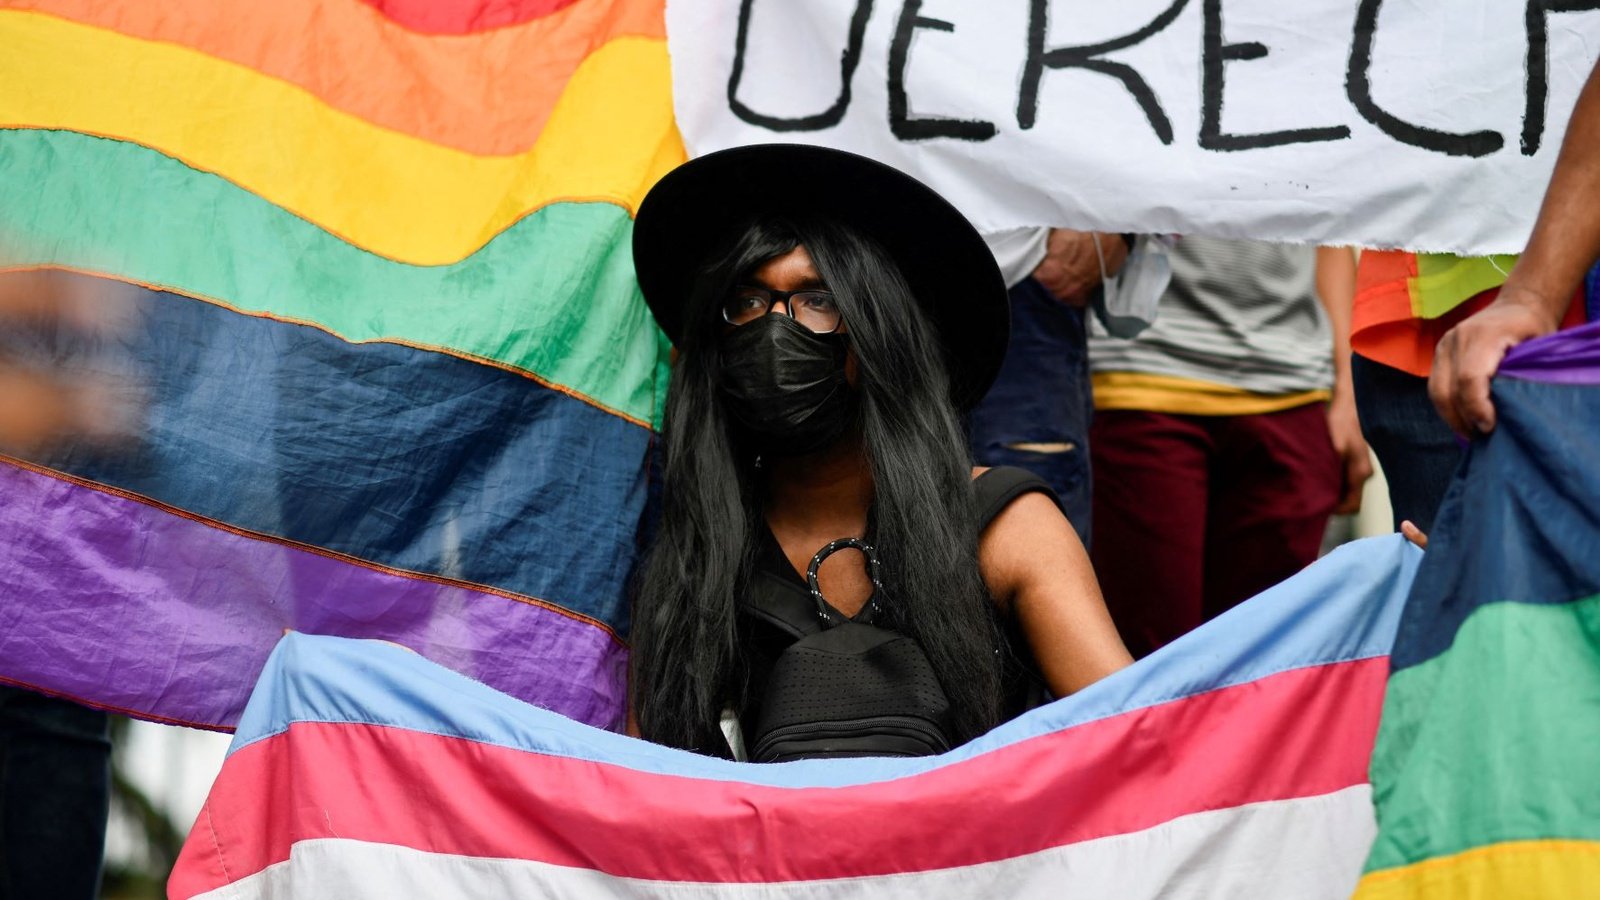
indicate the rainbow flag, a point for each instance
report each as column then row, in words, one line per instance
column 397, row 379
column 1487, row 768
column 1233, row 763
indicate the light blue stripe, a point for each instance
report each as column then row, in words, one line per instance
column 1345, row 607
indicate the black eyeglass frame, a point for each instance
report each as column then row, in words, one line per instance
column 774, row 297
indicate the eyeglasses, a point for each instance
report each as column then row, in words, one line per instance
column 816, row 310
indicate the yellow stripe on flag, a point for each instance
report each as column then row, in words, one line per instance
column 1515, row 870
column 609, row 138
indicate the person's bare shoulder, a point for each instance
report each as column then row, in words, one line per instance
column 1027, row 537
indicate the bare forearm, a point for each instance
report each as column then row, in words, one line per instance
column 1566, row 236
column 1035, row 566
column 1565, row 242
column 1336, row 288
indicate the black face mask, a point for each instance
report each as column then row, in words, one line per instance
column 785, row 385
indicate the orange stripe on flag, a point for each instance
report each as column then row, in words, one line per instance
column 488, row 94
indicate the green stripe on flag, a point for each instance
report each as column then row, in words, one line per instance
column 554, row 295
column 1497, row 739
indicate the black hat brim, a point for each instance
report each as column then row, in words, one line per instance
column 952, row 274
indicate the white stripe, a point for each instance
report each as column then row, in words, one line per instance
column 1306, row 848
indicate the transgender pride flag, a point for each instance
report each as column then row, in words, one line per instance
column 1231, row 764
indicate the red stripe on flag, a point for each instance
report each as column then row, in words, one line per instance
column 1301, row 733
column 464, row 16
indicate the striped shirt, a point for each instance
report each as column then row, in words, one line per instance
column 1240, row 320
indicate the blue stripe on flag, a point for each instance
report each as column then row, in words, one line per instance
column 401, row 457
column 1343, row 608
column 1524, row 490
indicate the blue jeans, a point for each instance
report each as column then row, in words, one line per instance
column 1417, row 450
column 1042, row 398
column 55, row 784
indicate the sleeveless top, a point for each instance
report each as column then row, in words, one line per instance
column 777, row 603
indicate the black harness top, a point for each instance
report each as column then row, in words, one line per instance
column 779, row 614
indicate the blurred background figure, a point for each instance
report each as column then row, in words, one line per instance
column 51, row 324
column 1225, row 434
column 1037, row 414
column 60, row 385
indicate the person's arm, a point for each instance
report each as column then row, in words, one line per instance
column 1336, row 288
column 43, row 406
column 1036, row 568
column 1565, row 243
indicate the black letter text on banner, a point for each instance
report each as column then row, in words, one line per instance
column 1538, row 79
column 847, row 69
column 1084, row 58
column 1215, row 55
column 900, row 122
column 1359, row 89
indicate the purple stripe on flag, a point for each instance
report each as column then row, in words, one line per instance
column 132, row 607
column 1565, row 357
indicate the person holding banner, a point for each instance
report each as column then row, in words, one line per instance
column 832, row 315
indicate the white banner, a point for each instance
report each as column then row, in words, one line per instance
column 1419, row 124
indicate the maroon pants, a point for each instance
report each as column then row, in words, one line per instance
column 1193, row 514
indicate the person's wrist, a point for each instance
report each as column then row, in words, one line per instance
column 1544, row 307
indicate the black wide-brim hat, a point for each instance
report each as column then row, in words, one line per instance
column 692, row 211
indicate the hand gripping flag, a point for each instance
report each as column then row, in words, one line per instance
column 1487, row 769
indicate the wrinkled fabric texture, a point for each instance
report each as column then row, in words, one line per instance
column 135, row 608
column 786, row 385
column 1483, row 772
column 1232, row 763
column 995, row 121
column 397, row 380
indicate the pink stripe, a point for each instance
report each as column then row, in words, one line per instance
column 465, row 16
column 1295, row 734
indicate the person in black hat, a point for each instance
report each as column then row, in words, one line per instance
column 832, row 316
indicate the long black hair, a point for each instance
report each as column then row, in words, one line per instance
column 687, row 662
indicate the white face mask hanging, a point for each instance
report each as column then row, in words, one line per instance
column 1127, row 302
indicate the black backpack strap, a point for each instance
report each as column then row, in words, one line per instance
column 780, row 603
column 994, row 490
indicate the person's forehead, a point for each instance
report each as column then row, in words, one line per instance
column 790, row 271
